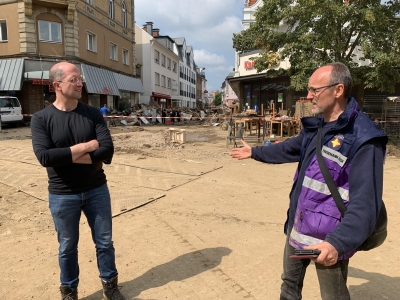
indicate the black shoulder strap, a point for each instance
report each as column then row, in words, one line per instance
column 328, row 178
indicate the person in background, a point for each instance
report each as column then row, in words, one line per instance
column 72, row 141
column 163, row 116
column 172, row 115
column 104, row 110
column 353, row 149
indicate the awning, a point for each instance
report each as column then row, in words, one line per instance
column 159, row 95
column 127, row 83
column 252, row 76
column 11, row 74
column 99, row 81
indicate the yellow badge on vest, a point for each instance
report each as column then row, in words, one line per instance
column 335, row 143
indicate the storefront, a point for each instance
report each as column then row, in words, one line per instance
column 28, row 79
column 163, row 100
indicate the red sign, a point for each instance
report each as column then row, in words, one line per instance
column 41, row 82
column 249, row 64
column 107, row 91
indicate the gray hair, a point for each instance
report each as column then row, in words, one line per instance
column 341, row 74
column 56, row 74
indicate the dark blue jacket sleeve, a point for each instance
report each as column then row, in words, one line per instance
column 284, row 152
column 365, row 199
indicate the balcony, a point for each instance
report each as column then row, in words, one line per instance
column 64, row 4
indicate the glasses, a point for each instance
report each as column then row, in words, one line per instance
column 73, row 80
column 314, row 91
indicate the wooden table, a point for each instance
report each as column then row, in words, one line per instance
column 280, row 124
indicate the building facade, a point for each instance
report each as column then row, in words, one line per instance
column 201, row 86
column 158, row 61
column 187, row 74
column 97, row 36
column 228, row 94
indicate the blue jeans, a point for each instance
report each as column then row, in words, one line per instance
column 332, row 280
column 66, row 212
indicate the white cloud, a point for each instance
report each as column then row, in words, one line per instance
column 204, row 57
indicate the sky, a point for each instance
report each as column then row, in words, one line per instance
column 206, row 25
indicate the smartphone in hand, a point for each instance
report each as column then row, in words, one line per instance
column 304, row 254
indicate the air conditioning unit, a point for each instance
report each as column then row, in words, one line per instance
column 156, row 60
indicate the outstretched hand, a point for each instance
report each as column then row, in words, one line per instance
column 241, row 153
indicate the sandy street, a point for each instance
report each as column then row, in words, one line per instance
column 208, row 226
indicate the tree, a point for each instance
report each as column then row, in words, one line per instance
column 311, row 33
column 218, row 99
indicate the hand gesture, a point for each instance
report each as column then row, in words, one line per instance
column 241, row 153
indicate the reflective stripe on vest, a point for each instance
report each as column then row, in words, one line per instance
column 304, row 239
column 322, row 187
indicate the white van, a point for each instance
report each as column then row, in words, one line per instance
column 10, row 110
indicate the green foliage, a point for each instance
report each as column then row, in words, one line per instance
column 311, row 33
column 218, row 99
column 244, row 41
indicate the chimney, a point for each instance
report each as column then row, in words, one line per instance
column 149, row 27
column 156, row 32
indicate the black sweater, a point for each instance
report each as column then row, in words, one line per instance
column 55, row 131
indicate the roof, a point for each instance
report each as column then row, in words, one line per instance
column 99, row 81
column 127, row 83
column 179, row 41
column 11, row 74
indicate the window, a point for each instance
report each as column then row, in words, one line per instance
column 125, row 57
column 156, row 56
column 111, row 9
column 124, row 15
column 138, row 71
column 163, row 80
column 174, row 66
column 163, row 60
column 169, row 63
column 3, row 31
column 169, row 83
column 157, row 79
column 49, row 32
column 91, row 41
column 113, row 51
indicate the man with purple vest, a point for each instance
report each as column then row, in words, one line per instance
column 353, row 150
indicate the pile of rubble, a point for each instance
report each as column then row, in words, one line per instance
column 152, row 113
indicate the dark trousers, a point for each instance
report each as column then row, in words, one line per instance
column 332, row 279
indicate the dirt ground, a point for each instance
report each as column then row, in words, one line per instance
column 213, row 228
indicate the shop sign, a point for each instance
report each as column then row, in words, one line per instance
column 107, row 91
column 249, row 64
column 41, row 82
column 44, row 82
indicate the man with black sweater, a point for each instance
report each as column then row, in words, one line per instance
column 72, row 141
column 353, row 149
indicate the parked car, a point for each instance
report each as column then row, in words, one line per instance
column 11, row 110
